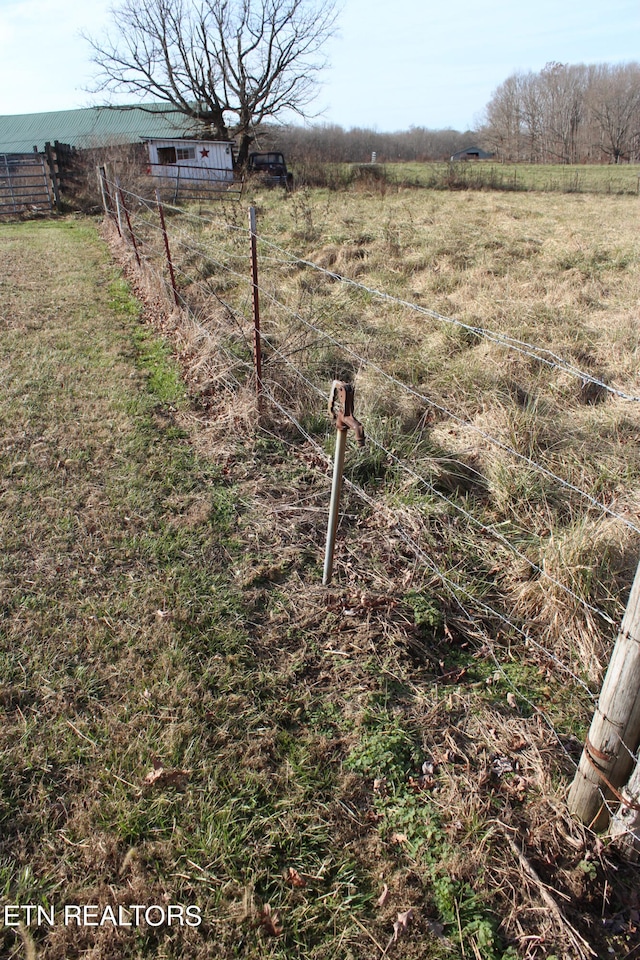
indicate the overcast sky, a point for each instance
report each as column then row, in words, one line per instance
column 394, row 63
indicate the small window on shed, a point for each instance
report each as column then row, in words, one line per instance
column 186, row 153
column 166, row 154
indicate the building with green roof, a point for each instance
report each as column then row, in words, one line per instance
column 93, row 127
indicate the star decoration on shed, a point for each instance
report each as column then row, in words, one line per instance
column 204, row 152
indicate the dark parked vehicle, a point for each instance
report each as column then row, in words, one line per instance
column 271, row 169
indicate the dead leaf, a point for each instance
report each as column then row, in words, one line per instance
column 453, row 676
column 421, row 783
column 384, row 896
column 159, row 777
column 516, row 789
column 402, row 923
column 293, row 877
column 511, row 700
column 399, row 838
column 270, row 920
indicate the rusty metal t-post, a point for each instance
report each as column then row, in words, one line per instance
column 167, row 249
column 129, row 227
column 257, row 345
column 341, row 410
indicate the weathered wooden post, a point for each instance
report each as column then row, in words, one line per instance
column 341, row 396
column 615, row 729
column 107, row 196
column 51, row 161
column 117, row 193
column 102, row 176
column 625, row 823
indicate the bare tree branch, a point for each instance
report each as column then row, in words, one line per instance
column 228, row 64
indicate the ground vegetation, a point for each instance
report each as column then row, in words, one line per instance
column 368, row 771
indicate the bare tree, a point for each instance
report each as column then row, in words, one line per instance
column 562, row 90
column 227, row 64
column 616, row 107
column 503, row 133
column 567, row 113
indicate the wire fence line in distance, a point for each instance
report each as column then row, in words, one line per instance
column 212, row 260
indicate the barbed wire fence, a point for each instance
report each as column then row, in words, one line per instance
column 423, row 489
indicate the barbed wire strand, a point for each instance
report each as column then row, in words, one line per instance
column 541, row 354
column 452, row 588
column 429, row 401
column 486, row 528
column 459, row 420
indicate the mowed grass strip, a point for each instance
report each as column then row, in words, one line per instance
column 126, row 649
column 190, row 719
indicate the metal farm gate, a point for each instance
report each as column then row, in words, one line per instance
column 25, row 185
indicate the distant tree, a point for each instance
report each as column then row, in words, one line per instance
column 330, row 143
column 503, row 132
column 566, row 113
column 615, row 105
column 561, row 89
column 228, row 64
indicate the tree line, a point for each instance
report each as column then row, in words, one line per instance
column 567, row 113
column 236, row 66
column 331, row 143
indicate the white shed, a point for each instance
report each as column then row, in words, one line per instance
column 184, row 161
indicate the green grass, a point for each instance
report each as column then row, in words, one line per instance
column 161, row 599
column 126, row 641
column 549, row 178
column 485, row 175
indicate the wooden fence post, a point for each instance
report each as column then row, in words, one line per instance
column 116, row 196
column 625, row 823
column 107, row 196
column 51, row 161
column 102, row 176
column 615, row 729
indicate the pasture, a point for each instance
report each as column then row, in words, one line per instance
column 378, row 769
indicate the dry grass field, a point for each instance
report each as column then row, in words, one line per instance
column 374, row 770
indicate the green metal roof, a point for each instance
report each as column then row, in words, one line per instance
column 92, row 127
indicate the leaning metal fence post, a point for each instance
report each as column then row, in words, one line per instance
column 128, row 219
column 166, row 247
column 341, row 410
column 257, row 346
